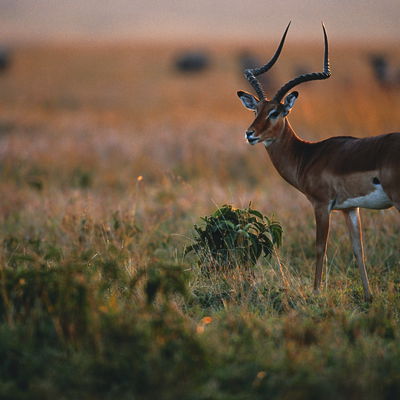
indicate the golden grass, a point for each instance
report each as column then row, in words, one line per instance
column 107, row 159
column 80, row 124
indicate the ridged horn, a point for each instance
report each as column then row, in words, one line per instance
column 250, row 74
column 313, row 76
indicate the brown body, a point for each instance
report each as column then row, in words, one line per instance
column 340, row 168
column 340, row 173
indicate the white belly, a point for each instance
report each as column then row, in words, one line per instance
column 377, row 200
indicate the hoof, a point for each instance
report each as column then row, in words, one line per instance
column 316, row 292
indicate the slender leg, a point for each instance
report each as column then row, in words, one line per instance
column 354, row 225
column 322, row 222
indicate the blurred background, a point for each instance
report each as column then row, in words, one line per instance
column 192, row 20
column 102, row 102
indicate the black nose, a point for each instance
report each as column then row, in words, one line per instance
column 249, row 133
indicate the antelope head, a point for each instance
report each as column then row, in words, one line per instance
column 271, row 114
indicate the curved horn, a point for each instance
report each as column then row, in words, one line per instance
column 250, row 74
column 307, row 77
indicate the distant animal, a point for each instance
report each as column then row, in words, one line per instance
column 248, row 60
column 300, row 69
column 5, row 59
column 340, row 173
column 385, row 74
column 192, row 61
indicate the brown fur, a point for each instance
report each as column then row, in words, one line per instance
column 331, row 171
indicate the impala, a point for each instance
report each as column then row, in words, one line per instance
column 340, row 173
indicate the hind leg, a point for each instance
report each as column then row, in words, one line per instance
column 353, row 221
column 390, row 181
column 394, row 194
column 396, row 203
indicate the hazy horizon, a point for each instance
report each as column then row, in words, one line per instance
column 27, row 20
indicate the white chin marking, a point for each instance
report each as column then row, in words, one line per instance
column 268, row 142
column 376, row 200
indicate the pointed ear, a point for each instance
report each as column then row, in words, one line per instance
column 248, row 100
column 289, row 102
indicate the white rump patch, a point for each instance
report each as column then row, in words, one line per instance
column 376, row 200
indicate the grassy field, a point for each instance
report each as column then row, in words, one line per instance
column 107, row 159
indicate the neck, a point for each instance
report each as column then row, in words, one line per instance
column 285, row 154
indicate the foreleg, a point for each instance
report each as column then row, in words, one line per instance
column 322, row 226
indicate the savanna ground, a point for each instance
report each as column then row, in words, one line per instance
column 108, row 157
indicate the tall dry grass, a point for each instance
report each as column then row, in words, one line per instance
column 107, row 158
column 80, row 124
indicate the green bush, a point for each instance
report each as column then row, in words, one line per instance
column 233, row 236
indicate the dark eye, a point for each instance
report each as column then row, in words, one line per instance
column 273, row 114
